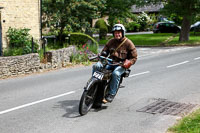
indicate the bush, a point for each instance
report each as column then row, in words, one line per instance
column 132, row 27
column 80, row 39
column 83, row 55
column 13, row 51
column 143, row 20
column 18, row 37
column 103, row 28
column 103, row 32
column 19, row 42
column 78, row 58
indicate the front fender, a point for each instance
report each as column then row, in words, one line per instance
column 91, row 82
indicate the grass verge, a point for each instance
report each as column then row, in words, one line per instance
column 160, row 39
column 149, row 39
column 189, row 124
column 193, row 40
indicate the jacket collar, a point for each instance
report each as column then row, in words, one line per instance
column 120, row 40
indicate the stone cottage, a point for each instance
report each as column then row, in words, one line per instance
column 19, row 14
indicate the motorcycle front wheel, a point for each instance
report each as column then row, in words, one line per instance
column 87, row 99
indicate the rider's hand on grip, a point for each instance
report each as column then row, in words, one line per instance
column 94, row 57
column 127, row 64
column 104, row 53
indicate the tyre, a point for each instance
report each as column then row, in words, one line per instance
column 87, row 99
column 107, row 88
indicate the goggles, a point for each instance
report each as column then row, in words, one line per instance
column 117, row 28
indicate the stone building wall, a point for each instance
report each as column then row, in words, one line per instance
column 30, row 63
column 20, row 14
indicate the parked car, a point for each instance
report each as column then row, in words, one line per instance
column 166, row 27
column 195, row 26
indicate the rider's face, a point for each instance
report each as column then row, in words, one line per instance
column 118, row 35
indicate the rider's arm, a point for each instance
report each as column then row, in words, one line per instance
column 107, row 48
column 132, row 52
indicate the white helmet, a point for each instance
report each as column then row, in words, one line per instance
column 119, row 27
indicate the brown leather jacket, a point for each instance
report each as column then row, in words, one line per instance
column 126, row 51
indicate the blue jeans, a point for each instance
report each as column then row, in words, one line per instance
column 116, row 75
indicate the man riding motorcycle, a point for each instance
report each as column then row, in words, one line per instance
column 119, row 49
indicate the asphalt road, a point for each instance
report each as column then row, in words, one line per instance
column 48, row 102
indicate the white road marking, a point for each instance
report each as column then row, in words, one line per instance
column 36, row 102
column 137, row 74
column 178, row 64
column 197, row 58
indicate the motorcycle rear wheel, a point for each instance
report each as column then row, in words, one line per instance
column 87, row 99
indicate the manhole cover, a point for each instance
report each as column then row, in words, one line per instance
column 162, row 106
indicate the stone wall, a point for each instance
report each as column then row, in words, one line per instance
column 60, row 58
column 30, row 63
column 19, row 65
column 20, row 14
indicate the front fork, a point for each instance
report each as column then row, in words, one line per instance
column 101, row 91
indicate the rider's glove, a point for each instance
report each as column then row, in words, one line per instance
column 104, row 53
column 127, row 64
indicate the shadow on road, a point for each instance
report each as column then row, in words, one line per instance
column 97, row 110
column 71, row 108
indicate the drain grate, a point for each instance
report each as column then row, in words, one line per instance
column 162, row 106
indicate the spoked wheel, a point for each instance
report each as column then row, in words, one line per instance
column 87, row 99
column 107, row 89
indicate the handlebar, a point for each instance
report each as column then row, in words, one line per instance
column 100, row 57
column 106, row 58
column 93, row 58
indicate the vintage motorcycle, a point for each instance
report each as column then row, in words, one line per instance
column 98, row 86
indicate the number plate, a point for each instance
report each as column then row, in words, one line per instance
column 98, row 75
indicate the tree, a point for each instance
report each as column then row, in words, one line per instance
column 70, row 15
column 117, row 10
column 187, row 9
